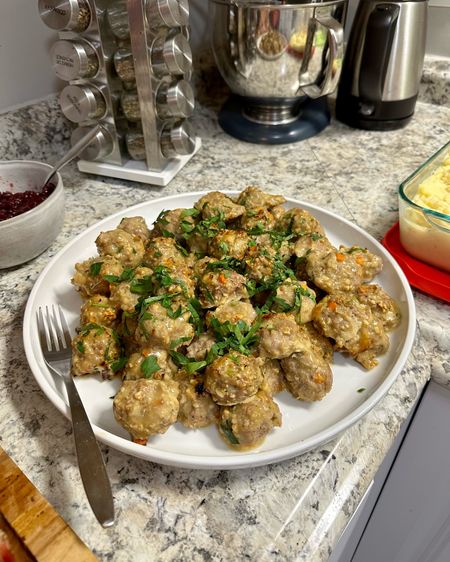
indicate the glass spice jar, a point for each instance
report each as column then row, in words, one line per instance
column 72, row 60
column 117, row 17
column 124, row 65
column 129, row 102
column 65, row 15
column 135, row 144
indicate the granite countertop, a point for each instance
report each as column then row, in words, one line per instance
column 294, row 510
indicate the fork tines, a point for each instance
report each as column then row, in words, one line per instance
column 54, row 333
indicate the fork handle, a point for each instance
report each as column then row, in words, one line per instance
column 90, row 461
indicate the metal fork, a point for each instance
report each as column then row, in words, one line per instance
column 55, row 341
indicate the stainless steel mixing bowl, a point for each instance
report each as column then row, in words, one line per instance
column 278, row 51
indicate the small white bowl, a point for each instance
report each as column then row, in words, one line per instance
column 27, row 235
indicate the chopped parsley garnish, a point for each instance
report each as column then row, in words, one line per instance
column 119, row 364
column 126, row 275
column 95, row 268
column 150, row 366
column 80, row 347
column 360, row 390
column 354, row 249
column 92, row 326
column 228, row 432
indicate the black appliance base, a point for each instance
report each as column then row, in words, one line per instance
column 375, row 116
column 313, row 117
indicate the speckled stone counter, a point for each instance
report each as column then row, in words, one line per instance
column 294, row 510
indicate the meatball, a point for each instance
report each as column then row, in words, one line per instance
column 233, row 378
column 233, row 312
column 146, row 407
column 297, row 296
column 343, row 270
column 280, row 336
column 127, row 248
column 126, row 294
column 98, row 309
column 308, row 375
column 253, row 198
column 381, row 304
column 221, row 286
column 95, row 350
column 200, row 345
column 245, row 426
column 179, row 280
column 163, row 251
column 197, row 408
column 177, row 222
column 273, row 376
column 229, row 243
column 259, row 267
column 156, row 329
column 149, row 364
column 299, row 222
column 257, row 219
column 318, row 341
column 90, row 275
column 216, row 203
column 352, row 326
column 136, row 226
column 312, row 242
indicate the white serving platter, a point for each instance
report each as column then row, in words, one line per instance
column 305, row 426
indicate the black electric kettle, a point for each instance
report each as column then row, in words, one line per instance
column 383, row 64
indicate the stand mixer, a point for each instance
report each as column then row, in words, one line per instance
column 280, row 61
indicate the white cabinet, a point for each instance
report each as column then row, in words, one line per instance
column 406, row 518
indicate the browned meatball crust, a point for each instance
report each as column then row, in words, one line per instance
column 233, row 312
column 216, row 203
column 146, row 407
column 136, row 226
column 273, row 382
column 245, row 426
column 352, row 326
column 221, row 286
column 127, row 248
column 299, row 222
column 177, row 222
column 253, row 198
column 162, row 251
column 343, row 270
column 381, row 304
column 233, row 378
column 308, row 375
column 90, row 276
column 229, row 243
column 197, row 408
column 98, row 309
column 95, row 350
column 280, row 336
column 156, row 329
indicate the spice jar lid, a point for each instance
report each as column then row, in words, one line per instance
column 172, row 13
column 177, row 55
column 80, row 103
column 101, row 145
column 177, row 139
column 176, row 99
column 65, row 14
column 72, row 60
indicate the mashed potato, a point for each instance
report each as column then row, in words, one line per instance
column 434, row 192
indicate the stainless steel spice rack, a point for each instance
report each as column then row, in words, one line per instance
column 127, row 64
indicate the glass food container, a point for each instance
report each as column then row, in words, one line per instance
column 424, row 199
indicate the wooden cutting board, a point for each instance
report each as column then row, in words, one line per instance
column 34, row 529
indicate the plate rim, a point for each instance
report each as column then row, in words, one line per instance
column 248, row 459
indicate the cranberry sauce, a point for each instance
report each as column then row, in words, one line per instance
column 13, row 204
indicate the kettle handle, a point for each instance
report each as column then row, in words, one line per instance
column 378, row 40
column 335, row 38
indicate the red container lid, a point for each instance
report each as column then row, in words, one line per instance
column 429, row 279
